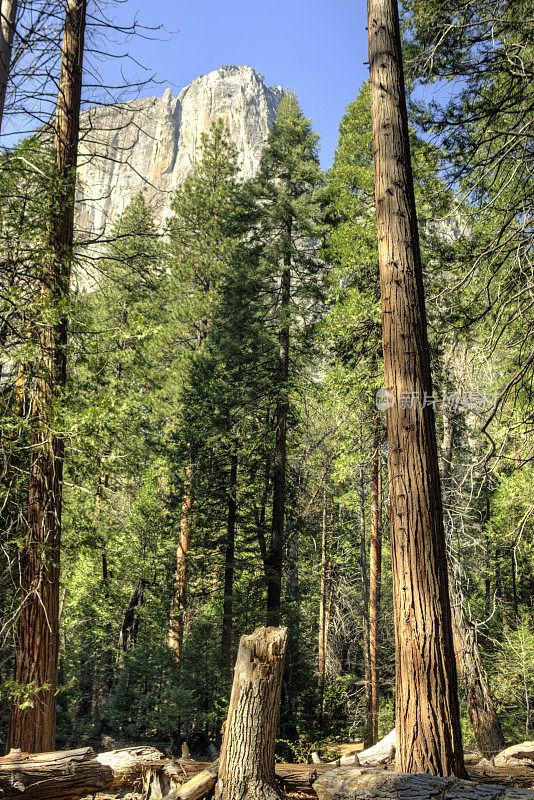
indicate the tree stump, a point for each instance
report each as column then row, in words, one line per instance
column 247, row 756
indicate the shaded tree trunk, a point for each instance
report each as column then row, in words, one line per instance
column 228, row 602
column 274, row 568
column 130, row 622
column 367, row 731
column 179, row 600
column 473, row 677
column 327, row 615
column 8, row 18
column 246, row 767
column 293, row 553
column 33, row 728
column 474, row 680
column 323, row 599
column 427, row 711
column 261, row 513
column 513, row 569
column 375, row 575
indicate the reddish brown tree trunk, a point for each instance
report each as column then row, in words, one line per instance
column 179, row 600
column 33, row 728
column 228, row 602
column 427, row 713
column 274, row 566
column 322, row 609
column 375, row 574
column 328, row 614
column 367, row 730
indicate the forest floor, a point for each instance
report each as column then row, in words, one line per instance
column 137, row 796
column 518, row 777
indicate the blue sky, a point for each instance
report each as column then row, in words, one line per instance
column 316, row 47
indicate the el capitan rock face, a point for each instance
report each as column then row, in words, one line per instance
column 150, row 145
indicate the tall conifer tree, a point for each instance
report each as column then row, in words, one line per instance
column 33, row 728
column 427, row 712
column 207, row 228
column 289, row 177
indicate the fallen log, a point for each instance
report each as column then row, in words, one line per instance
column 64, row 775
column 345, row 761
column 198, row 786
column 516, row 754
column 128, row 765
column 300, row 777
column 162, row 778
column 510, row 775
column 382, row 752
column 352, row 783
column 70, row 774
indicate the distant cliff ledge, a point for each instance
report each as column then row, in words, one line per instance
column 150, row 145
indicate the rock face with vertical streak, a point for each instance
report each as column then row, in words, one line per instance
column 150, row 145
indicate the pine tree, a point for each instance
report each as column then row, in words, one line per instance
column 209, row 224
column 115, row 529
column 354, row 330
column 224, row 406
column 24, row 182
column 288, row 183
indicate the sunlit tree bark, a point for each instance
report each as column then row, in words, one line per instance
column 427, row 712
column 33, row 728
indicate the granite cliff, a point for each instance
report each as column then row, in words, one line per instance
column 150, row 145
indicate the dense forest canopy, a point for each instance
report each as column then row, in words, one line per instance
column 202, row 433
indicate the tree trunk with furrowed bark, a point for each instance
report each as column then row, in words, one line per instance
column 375, row 579
column 323, row 600
column 427, row 712
column 246, row 768
column 33, row 728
